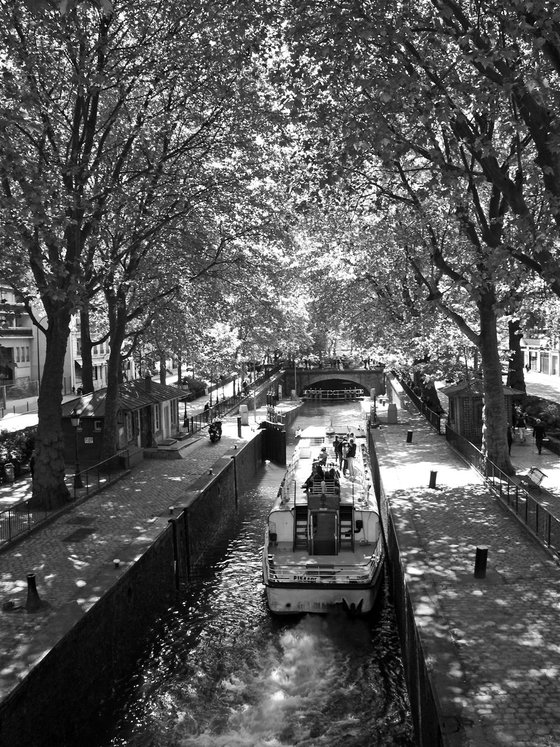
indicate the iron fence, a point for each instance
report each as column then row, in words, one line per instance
column 21, row 517
column 433, row 418
column 196, row 423
column 526, row 507
column 100, row 475
column 18, row 519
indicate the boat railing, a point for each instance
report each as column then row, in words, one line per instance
column 333, row 573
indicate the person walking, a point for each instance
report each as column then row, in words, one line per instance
column 539, row 433
column 509, row 438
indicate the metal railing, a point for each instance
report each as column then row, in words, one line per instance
column 333, row 393
column 431, row 416
column 531, row 513
column 340, row 573
column 100, row 475
column 526, row 507
column 196, row 423
column 18, row 519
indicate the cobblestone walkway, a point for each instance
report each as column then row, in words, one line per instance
column 72, row 557
column 492, row 644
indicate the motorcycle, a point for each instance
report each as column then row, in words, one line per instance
column 215, row 430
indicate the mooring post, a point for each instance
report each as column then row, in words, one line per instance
column 33, row 602
column 433, row 478
column 480, row 562
column 239, row 432
column 409, row 437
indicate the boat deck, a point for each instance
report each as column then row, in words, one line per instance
column 356, row 492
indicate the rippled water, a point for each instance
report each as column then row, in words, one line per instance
column 222, row 672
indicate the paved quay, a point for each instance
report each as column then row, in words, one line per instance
column 492, row 644
column 72, row 557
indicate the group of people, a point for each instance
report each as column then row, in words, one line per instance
column 322, row 472
column 345, row 452
column 520, row 424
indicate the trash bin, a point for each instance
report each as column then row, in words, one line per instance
column 9, row 472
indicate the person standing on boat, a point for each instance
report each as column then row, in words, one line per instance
column 343, row 451
column 337, row 446
column 350, row 456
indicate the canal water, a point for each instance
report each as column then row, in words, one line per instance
column 221, row 671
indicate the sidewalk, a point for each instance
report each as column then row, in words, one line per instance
column 74, row 568
column 492, row 645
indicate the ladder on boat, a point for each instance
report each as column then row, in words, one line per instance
column 300, row 527
column 346, row 527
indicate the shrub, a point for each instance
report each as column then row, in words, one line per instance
column 16, row 448
column 197, row 387
column 545, row 409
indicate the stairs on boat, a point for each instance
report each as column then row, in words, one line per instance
column 346, row 527
column 300, row 527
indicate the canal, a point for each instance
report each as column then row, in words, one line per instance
column 221, row 671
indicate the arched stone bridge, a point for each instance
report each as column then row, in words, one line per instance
column 372, row 380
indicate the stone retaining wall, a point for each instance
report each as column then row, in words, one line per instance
column 423, row 703
column 73, row 685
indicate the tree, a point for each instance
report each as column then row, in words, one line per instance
column 100, row 107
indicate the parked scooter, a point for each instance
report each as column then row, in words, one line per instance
column 215, row 430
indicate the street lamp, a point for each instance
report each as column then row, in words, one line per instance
column 75, row 420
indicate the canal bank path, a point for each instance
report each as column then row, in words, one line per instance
column 72, row 557
column 492, row 644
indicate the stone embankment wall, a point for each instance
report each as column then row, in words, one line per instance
column 74, row 683
column 423, row 702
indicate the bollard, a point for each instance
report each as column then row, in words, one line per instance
column 239, row 432
column 33, row 602
column 480, row 562
column 409, row 437
column 433, row 478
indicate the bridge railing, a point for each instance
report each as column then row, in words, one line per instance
column 333, row 393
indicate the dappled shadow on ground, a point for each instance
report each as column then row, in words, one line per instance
column 494, row 641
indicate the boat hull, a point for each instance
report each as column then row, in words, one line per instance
column 297, row 600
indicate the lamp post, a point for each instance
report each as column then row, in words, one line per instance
column 75, row 420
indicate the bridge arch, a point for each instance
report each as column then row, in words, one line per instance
column 372, row 381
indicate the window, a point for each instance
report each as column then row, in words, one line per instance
column 157, row 417
column 97, row 426
column 129, row 426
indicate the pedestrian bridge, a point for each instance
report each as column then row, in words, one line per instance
column 371, row 380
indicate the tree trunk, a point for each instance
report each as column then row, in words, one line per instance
column 162, row 369
column 117, row 326
column 516, row 370
column 87, row 361
column 494, row 427
column 49, row 486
